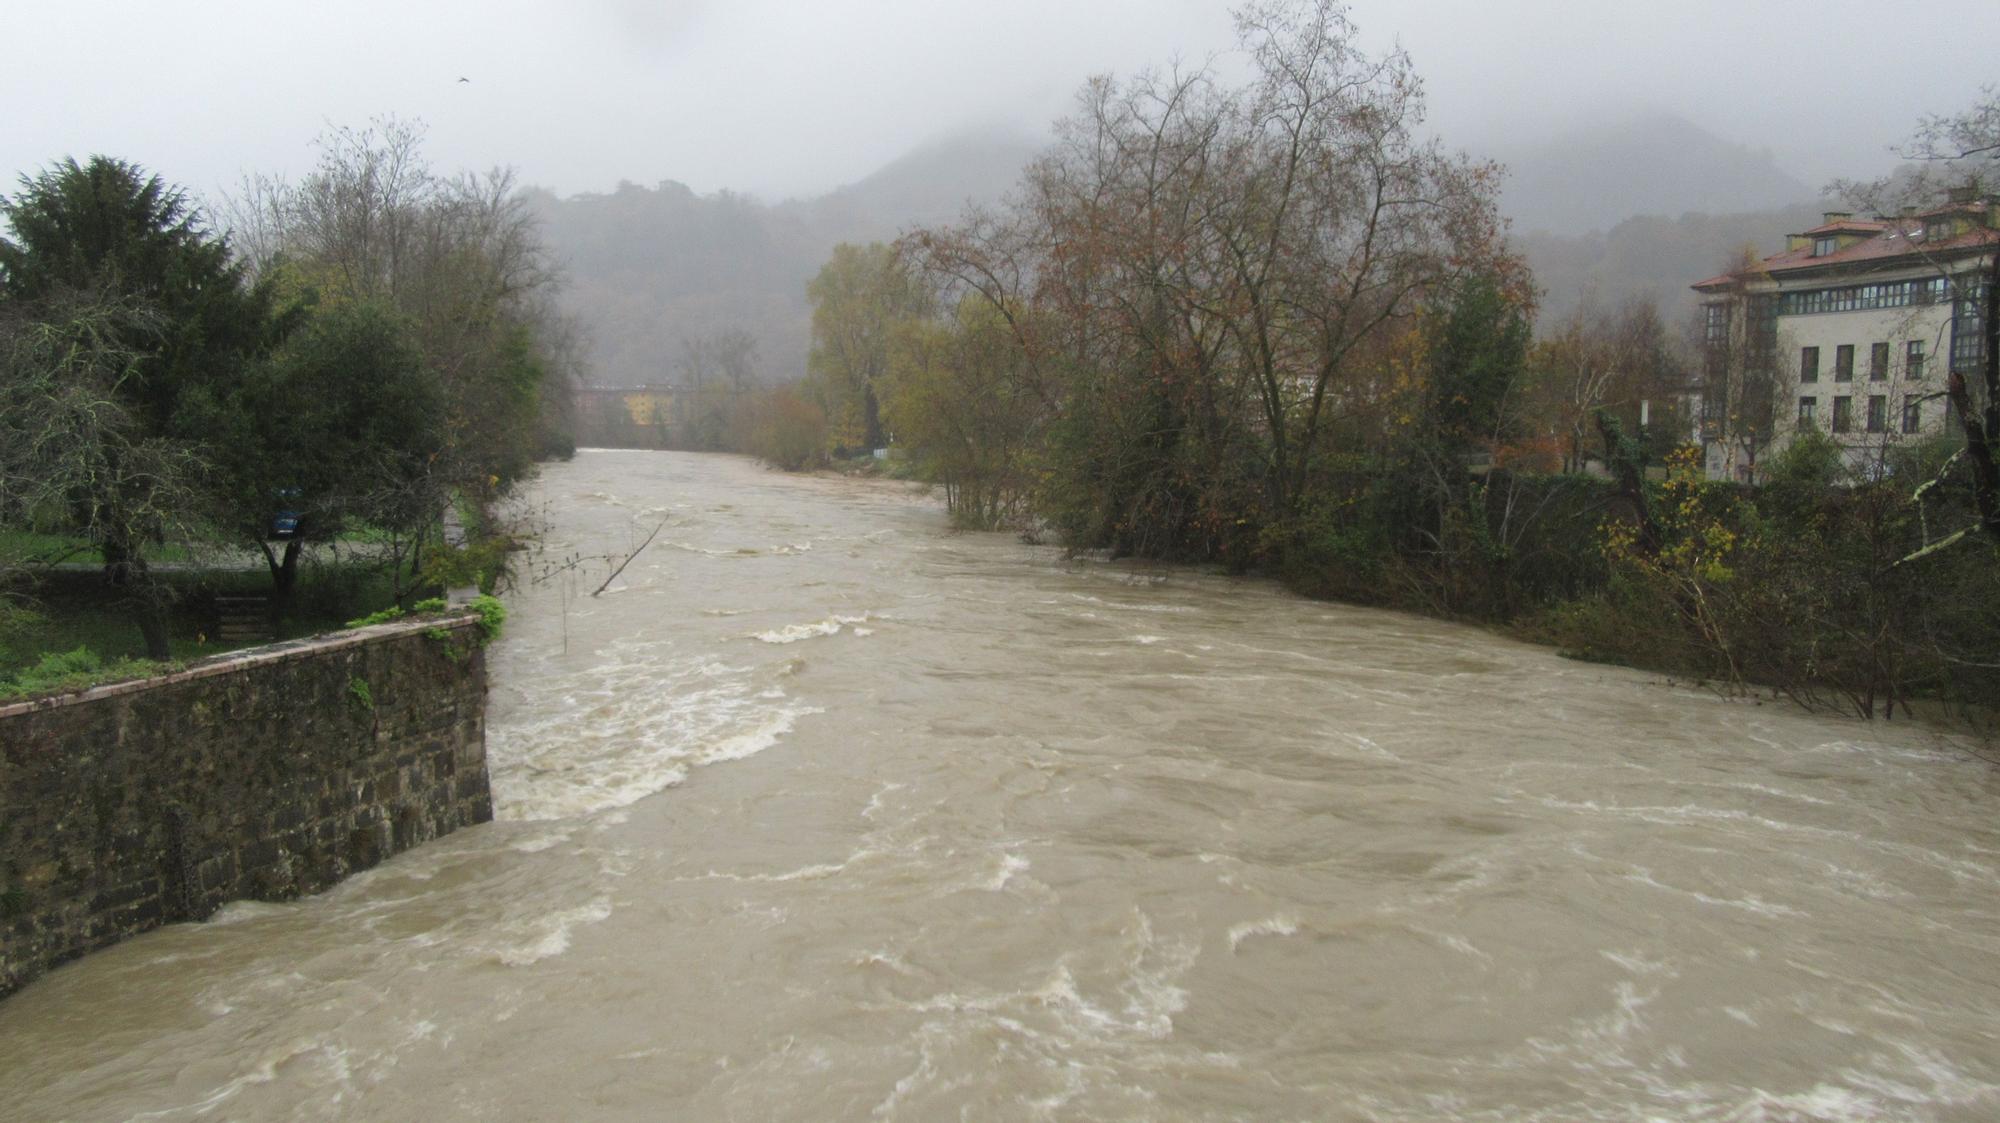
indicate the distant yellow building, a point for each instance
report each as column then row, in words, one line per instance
column 626, row 415
column 649, row 405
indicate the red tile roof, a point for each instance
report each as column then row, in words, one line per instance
column 1894, row 241
column 1847, row 226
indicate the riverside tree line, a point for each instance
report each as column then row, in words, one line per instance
column 1273, row 325
column 369, row 346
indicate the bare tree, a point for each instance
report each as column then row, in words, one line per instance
column 1949, row 150
column 460, row 257
column 73, row 453
column 1213, row 275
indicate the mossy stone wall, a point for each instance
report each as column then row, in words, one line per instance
column 264, row 774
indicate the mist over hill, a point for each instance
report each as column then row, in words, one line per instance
column 932, row 184
column 1652, row 257
column 1652, row 164
column 649, row 268
column 1645, row 208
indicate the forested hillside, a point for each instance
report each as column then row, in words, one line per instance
column 1591, row 179
column 1653, row 257
column 652, row 271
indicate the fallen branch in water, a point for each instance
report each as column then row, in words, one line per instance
column 629, row 557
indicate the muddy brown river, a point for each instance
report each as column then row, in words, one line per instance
column 824, row 812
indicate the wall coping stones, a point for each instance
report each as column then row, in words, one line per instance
column 233, row 661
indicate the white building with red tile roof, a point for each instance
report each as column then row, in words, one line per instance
column 1852, row 330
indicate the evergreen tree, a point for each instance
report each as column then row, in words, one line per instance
column 1477, row 354
column 109, row 230
column 107, row 235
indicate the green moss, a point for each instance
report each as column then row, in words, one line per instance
column 359, row 694
column 492, row 616
column 431, row 604
column 66, row 672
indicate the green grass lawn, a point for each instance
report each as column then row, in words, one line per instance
column 27, row 547
column 74, row 608
column 33, row 548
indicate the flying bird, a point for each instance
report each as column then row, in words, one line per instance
column 465, row 79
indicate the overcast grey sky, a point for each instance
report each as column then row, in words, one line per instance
column 789, row 97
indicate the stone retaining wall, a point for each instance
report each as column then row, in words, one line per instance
column 265, row 774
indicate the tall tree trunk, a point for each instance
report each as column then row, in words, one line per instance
column 871, row 418
column 152, row 619
column 1621, row 455
column 284, row 577
column 124, row 569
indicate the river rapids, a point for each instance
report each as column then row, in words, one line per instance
column 824, row 812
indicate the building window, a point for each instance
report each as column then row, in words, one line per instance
column 1809, row 364
column 1825, row 244
column 1808, row 410
column 1913, row 414
column 1881, row 294
column 1878, row 413
column 1878, row 361
column 1937, row 230
column 1843, row 414
column 1843, row 363
column 1913, row 358
column 1967, row 344
column 1717, row 326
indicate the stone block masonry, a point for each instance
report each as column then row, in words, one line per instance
column 265, row 774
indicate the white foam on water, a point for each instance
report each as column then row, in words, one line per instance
column 1636, row 962
column 633, row 724
column 1126, row 606
column 1684, row 813
column 1862, row 883
column 803, row 873
column 1152, row 990
column 1748, row 903
column 1148, row 641
column 1280, row 925
column 1365, row 745
column 793, row 633
column 1147, row 995
column 236, row 912
column 1925, row 1082
column 689, row 548
column 755, row 740
column 1602, row 1040
column 264, row 1073
column 926, row 1069
column 534, row 938
column 874, row 806
column 538, row 842
column 1010, row 864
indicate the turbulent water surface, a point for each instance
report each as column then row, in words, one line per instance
column 822, row 812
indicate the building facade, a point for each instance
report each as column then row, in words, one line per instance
column 1851, row 331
